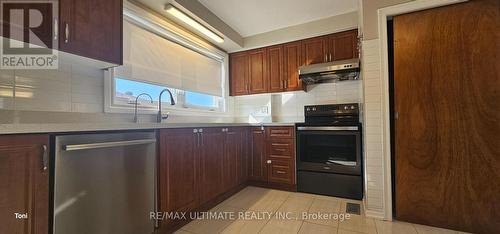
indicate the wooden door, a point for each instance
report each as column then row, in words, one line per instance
column 447, row 137
column 239, row 73
column 257, row 77
column 92, row 28
column 343, row 45
column 257, row 167
column 24, row 184
column 211, row 163
column 232, row 157
column 292, row 61
column 315, row 50
column 275, row 68
column 178, row 170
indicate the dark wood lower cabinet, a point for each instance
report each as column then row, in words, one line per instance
column 178, row 171
column 211, row 151
column 24, row 184
column 257, row 167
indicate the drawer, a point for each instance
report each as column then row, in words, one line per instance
column 281, row 148
column 281, row 171
column 285, row 132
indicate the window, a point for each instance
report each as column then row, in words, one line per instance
column 126, row 92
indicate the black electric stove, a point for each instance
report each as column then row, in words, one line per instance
column 329, row 151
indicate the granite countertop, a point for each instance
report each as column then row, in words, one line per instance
column 80, row 127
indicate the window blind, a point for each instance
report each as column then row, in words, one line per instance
column 151, row 58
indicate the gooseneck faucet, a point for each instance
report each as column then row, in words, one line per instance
column 136, row 102
column 160, row 117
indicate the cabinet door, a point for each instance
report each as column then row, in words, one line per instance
column 258, row 71
column 92, row 28
column 293, row 60
column 315, row 50
column 211, row 163
column 281, row 171
column 275, row 68
column 343, row 45
column 232, row 157
column 239, row 73
column 257, row 168
column 178, row 169
column 24, row 183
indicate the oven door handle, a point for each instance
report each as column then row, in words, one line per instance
column 330, row 128
column 343, row 163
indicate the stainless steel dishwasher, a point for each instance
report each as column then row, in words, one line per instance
column 105, row 183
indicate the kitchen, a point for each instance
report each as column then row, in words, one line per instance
column 186, row 116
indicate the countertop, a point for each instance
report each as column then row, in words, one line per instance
column 81, row 127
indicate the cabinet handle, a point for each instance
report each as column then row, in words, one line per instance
column 330, row 57
column 66, row 33
column 286, row 84
column 45, row 160
column 268, row 161
column 326, row 58
column 280, row 172
column 56, row 29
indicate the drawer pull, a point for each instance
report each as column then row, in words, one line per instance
column 280, row 172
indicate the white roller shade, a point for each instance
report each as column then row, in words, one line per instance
column 151, row 58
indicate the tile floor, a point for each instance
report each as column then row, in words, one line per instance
column 254, row 200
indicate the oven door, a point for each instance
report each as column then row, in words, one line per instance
column 334, row 149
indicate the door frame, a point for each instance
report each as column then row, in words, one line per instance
column 383, row 15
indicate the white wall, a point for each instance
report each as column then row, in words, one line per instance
column 289, row 106
column 373, row 130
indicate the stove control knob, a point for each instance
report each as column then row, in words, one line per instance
column 346, row 107
column 314, row 108
column 352, row 107
column 308, row 109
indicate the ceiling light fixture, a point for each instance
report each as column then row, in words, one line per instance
column 191, row 22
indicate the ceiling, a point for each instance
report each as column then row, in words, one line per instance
column 258, row 16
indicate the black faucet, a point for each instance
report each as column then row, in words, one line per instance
column 160, row 117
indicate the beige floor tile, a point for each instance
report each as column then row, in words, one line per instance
column 324, row 207
column 246, row 197
column 251, row 226
column 281, row 226
column 422, row 229
column 182, row 232
column 387, row 227
column 295, row 205
column 342, row 231
column 358, row 223
column 210, row 226
column 270, row 202
column 311, row 228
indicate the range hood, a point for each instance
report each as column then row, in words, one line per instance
column 332, row 71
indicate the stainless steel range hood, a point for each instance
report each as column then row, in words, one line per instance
column 323, row 72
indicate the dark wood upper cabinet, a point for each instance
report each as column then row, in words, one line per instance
column 24, row 183
column 239, row 73
column 92, row 28
column 275, row 68
column 211, row 150
column 315, row 50
column 343, row 45
column 178, row 170
column 258, row 74
column 257, row 167
column 293, row 59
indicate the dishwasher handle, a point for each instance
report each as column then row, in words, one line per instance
column 107, row 144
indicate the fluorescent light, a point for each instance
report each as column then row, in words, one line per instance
column 191, row 22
